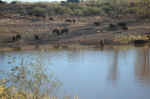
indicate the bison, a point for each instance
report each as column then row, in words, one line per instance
column 16, row 37
column 51, row 19
column 36, row 37
column 65, row 30
column 123, row 25
column 68, row 20
column 56, row 31
column 113, row 27
column 60, row 32
column 97, row 23
column 74, row 21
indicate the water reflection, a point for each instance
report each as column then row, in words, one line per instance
column 114, row 73
column 91, row 74
column 142, row 66
column 28, row 75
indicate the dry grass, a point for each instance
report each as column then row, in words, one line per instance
column 129, row 38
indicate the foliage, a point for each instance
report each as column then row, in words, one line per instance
column 28, row 81
column 143, row 8
column 88, row 8
column 129, row 38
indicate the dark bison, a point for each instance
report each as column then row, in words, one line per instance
column 68, row 20
column 65, row 30
column 13, row 38
column 52, row 19
column 56, row 32
column 124, row 28
column 60, row 32
column 113, row 27
column 16, row 37
column 97, row 23
column 102, row 43
column 74, row 21
column 123, row 25
column 36, row 37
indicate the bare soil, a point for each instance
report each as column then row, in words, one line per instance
column 83, row 32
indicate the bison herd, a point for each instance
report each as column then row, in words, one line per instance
column 16, row 37
column 64, row 31
column 121, row 25
column 59, row 32
column 70, row 20
column 56, row 31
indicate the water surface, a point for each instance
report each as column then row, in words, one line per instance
column 92, row 73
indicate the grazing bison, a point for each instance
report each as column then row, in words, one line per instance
column 102, row 43
column 52, row 19
column 74, row 21
column 124, row 28
column 56, row 31
column 13, row 38
column 65, row 30
column 16, row 37
column 68, row 20
column 113, row 27
column 123, row 25
column 97, row 23
column 60, row 32
column 36, row 37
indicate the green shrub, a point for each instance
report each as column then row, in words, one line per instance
column 78, row 12
column 38, row 11
column 91, row 11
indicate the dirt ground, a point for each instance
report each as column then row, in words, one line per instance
column 82, row 32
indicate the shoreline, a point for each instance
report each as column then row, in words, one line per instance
column 71, row 46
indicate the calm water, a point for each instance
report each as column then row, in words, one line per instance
column 92, row 74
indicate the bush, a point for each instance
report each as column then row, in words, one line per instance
column 61, row 10
column 91, row 11
column 78, row 12
column 143, row 8
column 38, row 11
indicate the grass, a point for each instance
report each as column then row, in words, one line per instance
column 129, row 38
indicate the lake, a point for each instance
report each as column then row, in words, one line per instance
column 90, row 73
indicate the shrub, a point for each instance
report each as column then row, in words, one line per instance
column 143, row 8
column 29, row 80
column 38, row 11
column 91, row 11
column 61, row 10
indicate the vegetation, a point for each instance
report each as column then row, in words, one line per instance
column 88, row 8
column 28, row 81
column 130, row 38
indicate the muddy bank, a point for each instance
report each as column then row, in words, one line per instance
column 85, row 31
